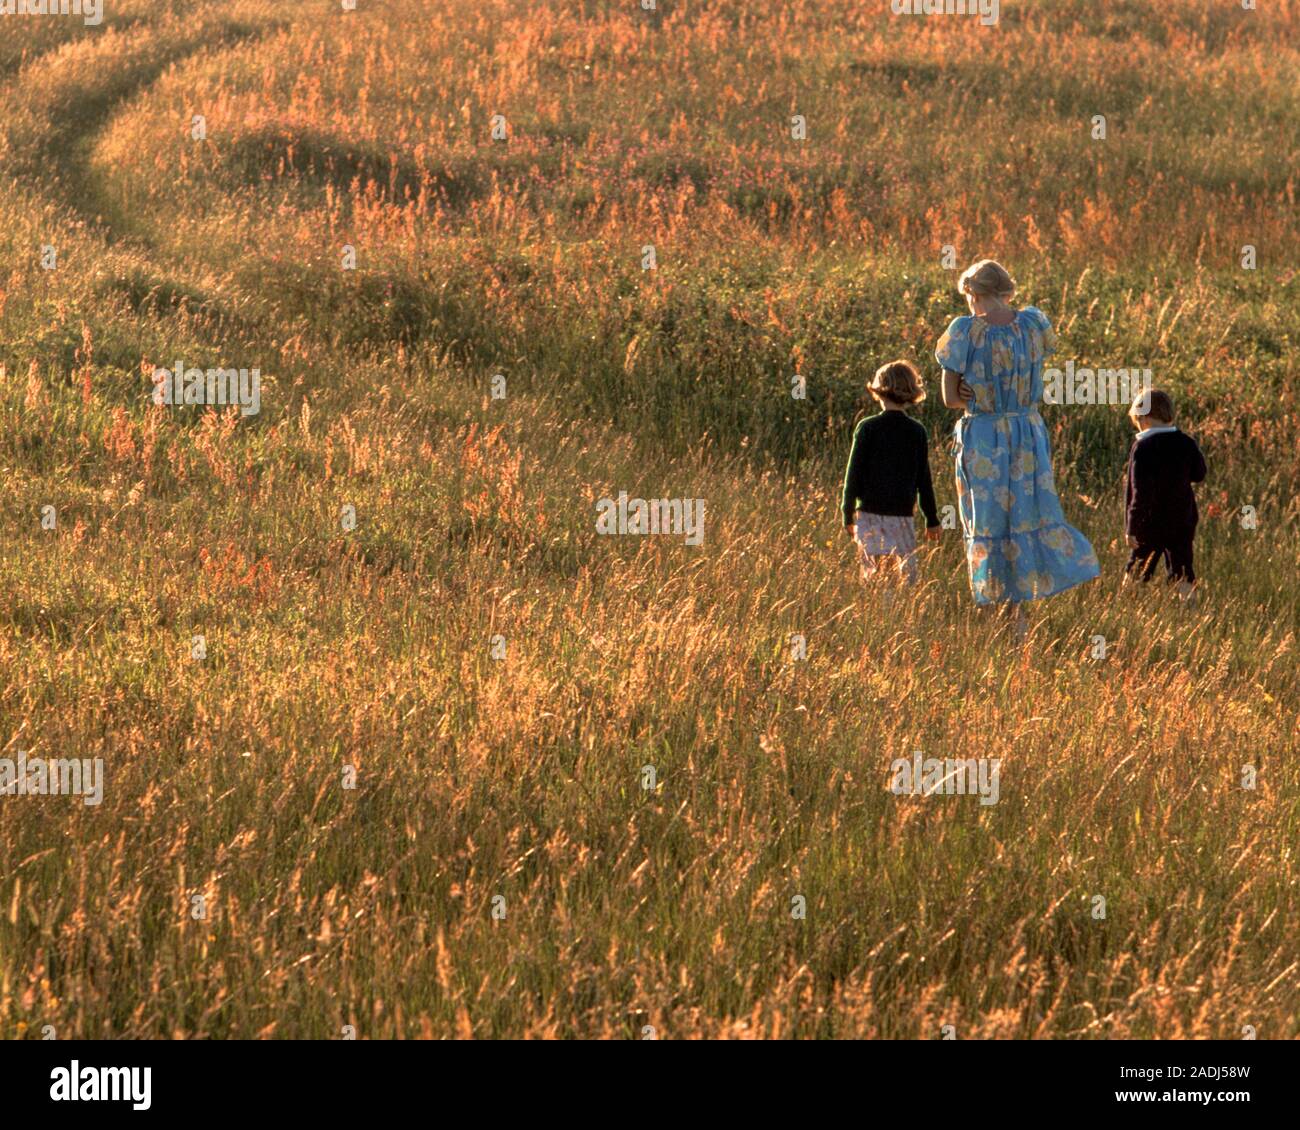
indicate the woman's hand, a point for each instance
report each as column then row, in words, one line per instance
column 956, row 392
column 932, row 533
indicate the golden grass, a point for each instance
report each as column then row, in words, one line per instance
column 522, row 777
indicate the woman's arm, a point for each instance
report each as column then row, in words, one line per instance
column 956, row 392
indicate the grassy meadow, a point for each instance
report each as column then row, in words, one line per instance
column 494, row 674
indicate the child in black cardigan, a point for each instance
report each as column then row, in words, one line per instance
column 1160, row 514
column 889, row 466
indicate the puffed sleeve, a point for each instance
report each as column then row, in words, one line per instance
column 1043, row 328
column 954, row 345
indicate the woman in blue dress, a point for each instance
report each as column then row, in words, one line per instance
column 1019, row 546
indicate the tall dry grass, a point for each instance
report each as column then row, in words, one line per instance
column 521, row 777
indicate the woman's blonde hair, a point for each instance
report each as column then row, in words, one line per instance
column 899, row 382
column 987, row 278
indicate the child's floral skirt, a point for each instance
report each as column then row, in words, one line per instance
column 885, row 535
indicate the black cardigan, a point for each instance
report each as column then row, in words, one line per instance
column 1159, row 496
column 888, row 466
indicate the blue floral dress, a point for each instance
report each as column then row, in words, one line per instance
column 1018, row 543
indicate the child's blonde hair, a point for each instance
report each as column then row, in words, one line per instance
column 985, row 278
column 898, row 382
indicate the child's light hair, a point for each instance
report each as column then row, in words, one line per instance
column 1156, row 403
column 898, row 382
column 987, row 278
